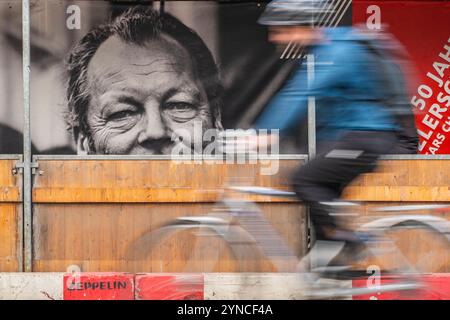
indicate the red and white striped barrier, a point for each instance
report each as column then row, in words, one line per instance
column 208, row 286
column 435, row 287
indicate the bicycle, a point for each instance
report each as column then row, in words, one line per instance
column 245, row 230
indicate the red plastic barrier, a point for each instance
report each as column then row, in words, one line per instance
column 169, row 287
column 436, row 287
column 99, row 286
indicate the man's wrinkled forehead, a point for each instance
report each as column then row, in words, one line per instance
column 159, row 55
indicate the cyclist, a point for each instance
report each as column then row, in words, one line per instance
column 354, row 126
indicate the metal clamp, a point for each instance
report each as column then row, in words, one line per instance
column 20, row 166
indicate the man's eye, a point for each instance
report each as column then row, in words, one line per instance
column 180, row 106
column 121, row 115
column 181, row 110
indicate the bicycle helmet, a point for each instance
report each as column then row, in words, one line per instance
column 295, row 12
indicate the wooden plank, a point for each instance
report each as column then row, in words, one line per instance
column 176, row 195
column 6, row 176
column 134, row 195
column 149, row 173
column 142, row 181
column 167, row 181
column 10, row 194
column 397, row 193
column 9, row 239
column 10, row 198
column 10, row 190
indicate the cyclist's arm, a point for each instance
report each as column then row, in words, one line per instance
column 290, row 105
column 286, row 108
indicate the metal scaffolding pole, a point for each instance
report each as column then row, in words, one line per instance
column 311, row 109
column 26, row 165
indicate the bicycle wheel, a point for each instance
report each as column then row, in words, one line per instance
column 413, row 246
column 184, row 245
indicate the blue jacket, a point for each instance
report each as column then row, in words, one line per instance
column 347, row 88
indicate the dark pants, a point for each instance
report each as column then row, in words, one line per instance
column 337, row 165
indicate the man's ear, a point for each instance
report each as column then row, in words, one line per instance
column 82, row 144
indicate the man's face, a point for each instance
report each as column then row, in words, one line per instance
column 302, row 35
column 140, row 96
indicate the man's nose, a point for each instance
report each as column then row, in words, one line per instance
column 154, row 126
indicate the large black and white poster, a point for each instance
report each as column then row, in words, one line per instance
column 119, row 77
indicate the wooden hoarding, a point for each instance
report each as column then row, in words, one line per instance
column 88, row 213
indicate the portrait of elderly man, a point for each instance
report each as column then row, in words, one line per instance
column 139, row 81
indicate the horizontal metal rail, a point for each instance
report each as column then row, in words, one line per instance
column 10, row 156
column 168, row 157
column 178, row 158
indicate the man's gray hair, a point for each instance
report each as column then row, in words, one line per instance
column 137, row 26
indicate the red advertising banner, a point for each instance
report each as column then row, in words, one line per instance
column 169, row 287
column 127, row 286
column 423, row 27
column 99, row 286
